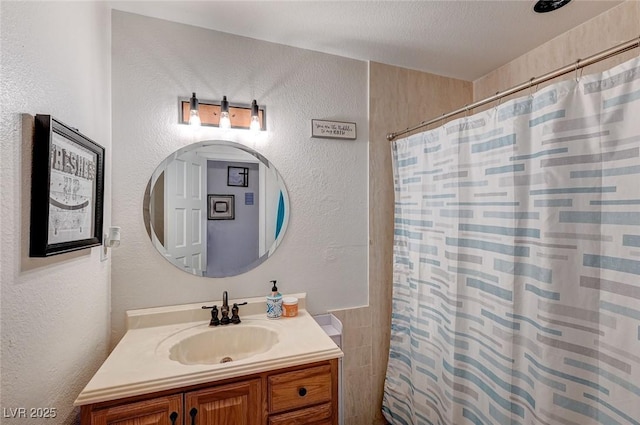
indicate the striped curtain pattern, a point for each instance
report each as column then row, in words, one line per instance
column 516, row 282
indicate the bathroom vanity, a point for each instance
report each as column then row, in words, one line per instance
column 172, row 368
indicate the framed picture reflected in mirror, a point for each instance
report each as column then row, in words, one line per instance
column 221, row 207
column 238, row 176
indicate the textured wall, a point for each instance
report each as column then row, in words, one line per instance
column 55, row 311
column 324, row 251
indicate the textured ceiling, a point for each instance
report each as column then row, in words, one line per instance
column 461, row 39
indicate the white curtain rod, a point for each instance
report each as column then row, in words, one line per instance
column 580, row 63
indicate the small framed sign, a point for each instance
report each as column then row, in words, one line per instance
column 67, row 189
column 333, row 129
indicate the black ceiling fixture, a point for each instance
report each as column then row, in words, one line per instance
column 544, row 6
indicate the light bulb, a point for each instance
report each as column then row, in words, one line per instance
column 254, row 126
column 194, row 118
column 194, row 115
column 225, row 121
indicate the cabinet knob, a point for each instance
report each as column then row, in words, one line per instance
column 173, row 416
column 193, row 412
column 302, row 392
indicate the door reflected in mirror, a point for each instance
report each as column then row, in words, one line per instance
column 216, row 208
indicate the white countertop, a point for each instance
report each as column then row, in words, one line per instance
column 140, row 363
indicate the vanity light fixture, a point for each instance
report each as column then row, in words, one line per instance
column 222, row 114
column 194, row 115
column 110, row 240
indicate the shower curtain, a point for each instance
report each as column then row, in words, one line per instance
column 516, row 281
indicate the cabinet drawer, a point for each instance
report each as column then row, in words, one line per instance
column 316, row 415
column 300, row 388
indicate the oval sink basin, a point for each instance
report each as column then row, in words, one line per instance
column 223, row 344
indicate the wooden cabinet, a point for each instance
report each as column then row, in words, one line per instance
column 231, row 404
column 301, row 395
column 304, row 396
column 300, row 388
column 157, row 411
column 316, row 415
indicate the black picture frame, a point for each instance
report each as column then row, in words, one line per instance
column 67, row 189
column 237, row 176
column 221, row 207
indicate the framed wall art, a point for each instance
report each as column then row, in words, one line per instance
column 221, row 207
column 238, row 176
column 67, row 189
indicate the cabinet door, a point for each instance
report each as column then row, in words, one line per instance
column 157, row 411
column 232, row 404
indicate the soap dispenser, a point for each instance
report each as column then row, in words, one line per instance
column 274, row 302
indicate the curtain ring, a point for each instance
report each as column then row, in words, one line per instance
column 466, row 110
column 531, row 86
column 577, row 65
column 499, row 100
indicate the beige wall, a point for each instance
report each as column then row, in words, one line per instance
column 619, row 24
column 399, row 98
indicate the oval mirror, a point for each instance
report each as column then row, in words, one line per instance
column 216, row 208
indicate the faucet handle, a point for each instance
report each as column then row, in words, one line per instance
column 235, row 318
column 214, row 315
